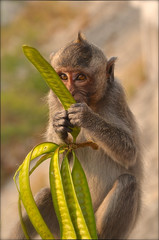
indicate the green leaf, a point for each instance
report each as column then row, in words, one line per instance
column 42, row 159
column 83, row 195
column 49, row 74
column 42, row 148
column 52, row 79
column 72, row 202
column 25, row 190
column 59, row 200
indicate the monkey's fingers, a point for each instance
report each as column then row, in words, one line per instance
column 75, row 118
column 62, row 122
column 78, row 109
column 61, row 114
column 74, row 109
column 64, row 129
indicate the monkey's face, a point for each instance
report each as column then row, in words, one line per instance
column 78, row 83
column 82, row 68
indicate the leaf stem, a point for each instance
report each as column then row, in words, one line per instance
column 84, row 144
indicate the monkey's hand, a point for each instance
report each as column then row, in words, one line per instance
column 61, row 124
column 79, row 113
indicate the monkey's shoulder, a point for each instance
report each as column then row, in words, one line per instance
column 115, row 90
column 114, row 101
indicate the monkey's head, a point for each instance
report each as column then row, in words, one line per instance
column 84, row 70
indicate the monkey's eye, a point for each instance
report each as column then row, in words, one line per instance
column 81, row 77
column 63, row 76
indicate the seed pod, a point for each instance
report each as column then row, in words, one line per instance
column 84, row 197
column 26, row 194
column 59, row 200
column 72, row 202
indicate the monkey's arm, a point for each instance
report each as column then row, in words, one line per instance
column 116, row 139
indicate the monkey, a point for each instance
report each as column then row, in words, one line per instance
column 114, row 172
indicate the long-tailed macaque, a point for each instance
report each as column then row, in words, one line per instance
column 114, row 171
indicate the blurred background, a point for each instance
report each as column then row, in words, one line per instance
column 126, row 29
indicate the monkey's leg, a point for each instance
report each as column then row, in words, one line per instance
column 44, row 202
column 117, row 214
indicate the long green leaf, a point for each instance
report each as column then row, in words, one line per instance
column 42, row 159
column 50, row 76
column 58, row 196
column 83, row 195
column 72, row 202
column 52, row 79
column 25, row 190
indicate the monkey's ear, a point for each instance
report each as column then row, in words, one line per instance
column 110, row 69
column 80, row 38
